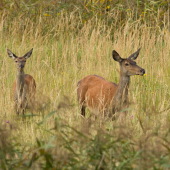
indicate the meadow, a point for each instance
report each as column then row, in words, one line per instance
column 71, row 40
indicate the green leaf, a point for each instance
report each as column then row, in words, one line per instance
column 46, row 117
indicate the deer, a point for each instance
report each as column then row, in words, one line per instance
column 102, row 96
column 24, row 87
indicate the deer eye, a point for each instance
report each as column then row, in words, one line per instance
column 126, row 64
column 16, row 61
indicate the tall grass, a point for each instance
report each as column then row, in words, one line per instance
column 67, row 48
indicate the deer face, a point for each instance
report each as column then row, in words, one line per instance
column 128, row 67
column 20, row 61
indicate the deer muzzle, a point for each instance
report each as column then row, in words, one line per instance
column 142, row 71
column 21, row 66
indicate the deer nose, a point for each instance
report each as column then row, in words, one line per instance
column 142, row 71
column 22, row 66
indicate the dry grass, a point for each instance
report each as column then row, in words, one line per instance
column 60, row 58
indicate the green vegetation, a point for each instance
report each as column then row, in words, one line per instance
column 73, row 39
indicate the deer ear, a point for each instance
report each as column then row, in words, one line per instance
column 27, row 55
column 11, row 55
column 116, row 56
column 134, row 55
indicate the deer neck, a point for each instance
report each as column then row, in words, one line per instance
column 121, row 96
column 20, row 82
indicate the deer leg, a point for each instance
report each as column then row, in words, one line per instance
column 83, row 110
column 16, row 109
column 22, row 111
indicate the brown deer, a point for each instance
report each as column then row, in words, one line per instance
column 23, row 90
column 101, row 96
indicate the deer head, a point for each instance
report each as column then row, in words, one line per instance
column 128, row 66
column 20, row 61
